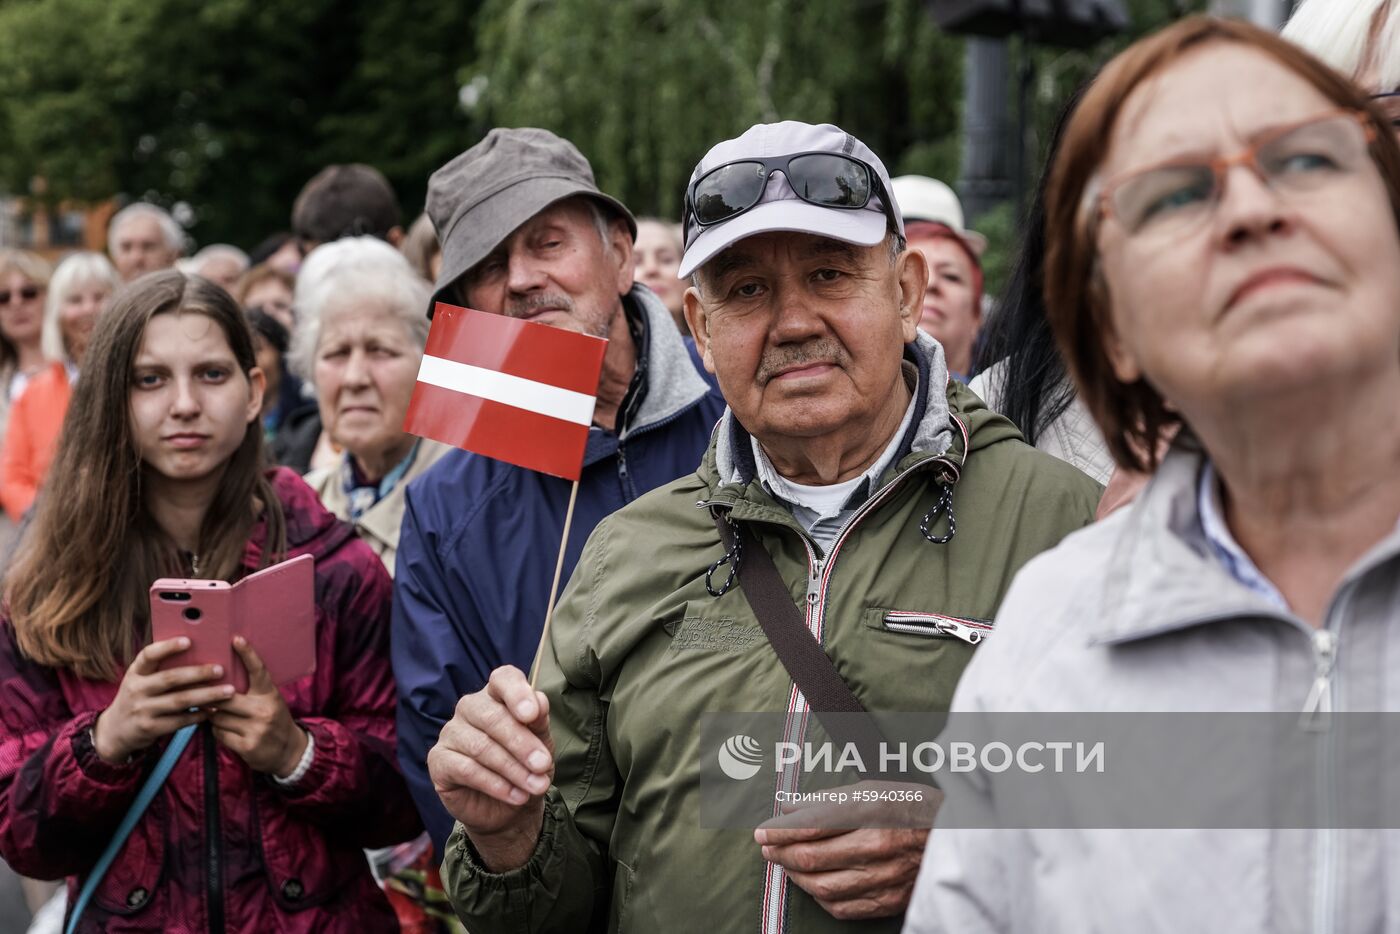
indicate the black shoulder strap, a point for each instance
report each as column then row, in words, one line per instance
column 801, row 655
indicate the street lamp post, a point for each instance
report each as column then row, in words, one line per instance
column 988, row 135
column 993, row 163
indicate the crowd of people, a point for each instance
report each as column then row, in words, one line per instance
column 826, row 474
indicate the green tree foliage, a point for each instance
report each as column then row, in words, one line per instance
column 644, row 87
column 226, row 105
column 230, row 105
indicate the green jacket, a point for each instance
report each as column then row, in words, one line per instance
column 622, row 847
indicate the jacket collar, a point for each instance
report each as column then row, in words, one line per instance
column 383, row 519
column 1161, row 576
column 666, row 382
column 929, row 432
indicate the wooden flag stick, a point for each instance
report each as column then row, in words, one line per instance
column 554, row 588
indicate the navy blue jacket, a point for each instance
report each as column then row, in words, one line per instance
column 480, row 537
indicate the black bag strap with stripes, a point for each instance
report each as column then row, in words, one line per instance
column 803, row 657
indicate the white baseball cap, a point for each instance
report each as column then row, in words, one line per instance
column 922, row 198
column 780, row 207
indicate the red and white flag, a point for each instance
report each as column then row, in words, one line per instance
column 509, row 389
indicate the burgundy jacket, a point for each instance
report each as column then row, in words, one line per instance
column 223, row 848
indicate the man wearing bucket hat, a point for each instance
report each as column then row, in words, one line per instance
column 525, row 232
column 838, row 465
column 952, row 309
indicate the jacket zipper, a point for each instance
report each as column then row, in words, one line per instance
column 1317, row 717
column 777, row 877
column 1319, row 703
column 818, row 573
column 213, row 836
column 931, row 624
column 627, row 494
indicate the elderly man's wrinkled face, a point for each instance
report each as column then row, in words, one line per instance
column 139, row 247
column 555, row 269
column 805, row 333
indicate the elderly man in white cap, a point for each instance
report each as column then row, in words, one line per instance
column 831, row 483
column 952, row 310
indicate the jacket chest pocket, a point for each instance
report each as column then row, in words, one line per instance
column 915, row 657
column 929, row 625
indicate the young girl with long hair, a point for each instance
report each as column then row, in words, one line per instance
column 159, row 473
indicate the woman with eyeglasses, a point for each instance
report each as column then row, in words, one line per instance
column 1224, row 256
column 24, row 281
column 77, row 294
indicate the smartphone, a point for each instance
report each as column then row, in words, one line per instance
column 199, row 610
column 273, row 609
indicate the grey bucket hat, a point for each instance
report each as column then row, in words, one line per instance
column 479, row 198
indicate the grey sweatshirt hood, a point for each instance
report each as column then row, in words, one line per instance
column 670, row 383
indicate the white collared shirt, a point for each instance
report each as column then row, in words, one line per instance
column 823, row 510
column 1223, row 545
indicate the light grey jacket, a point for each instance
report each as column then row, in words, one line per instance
column 1072, row 437
column 1134, row 614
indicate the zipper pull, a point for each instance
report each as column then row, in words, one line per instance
column 956, row 629
column 1318, row 707
column 814, row 584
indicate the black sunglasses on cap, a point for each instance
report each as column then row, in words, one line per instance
column 826, row 179
column 25, row 294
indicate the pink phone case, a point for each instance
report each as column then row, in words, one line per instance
column 273, row 609
column 199, row 609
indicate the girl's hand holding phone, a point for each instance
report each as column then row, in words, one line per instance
column 257, row 725
column 151, row 703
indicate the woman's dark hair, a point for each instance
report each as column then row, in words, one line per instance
column 268, row 246
column 1032, row 386
column 77, row 591
column 268, row 328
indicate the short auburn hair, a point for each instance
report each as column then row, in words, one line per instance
column 1133, row 416
column 257, row 275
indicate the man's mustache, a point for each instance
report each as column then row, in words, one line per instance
column 812, row 353
column 529, row 304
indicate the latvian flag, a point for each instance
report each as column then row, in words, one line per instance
column 509, row 389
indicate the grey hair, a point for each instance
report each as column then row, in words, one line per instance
column 362, row 269
column 895, row 245
column 217, row 250
column 172, row 232
column 602, row 222
column 1351, row 36
column 78, row 270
